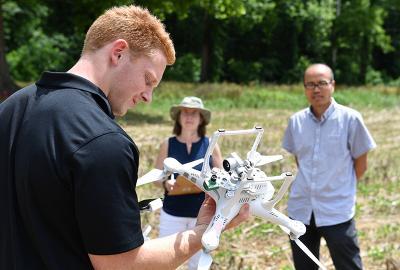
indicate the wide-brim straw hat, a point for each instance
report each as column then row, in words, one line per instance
column 193, row 103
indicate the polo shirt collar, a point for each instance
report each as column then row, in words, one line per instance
column 328, row 112
column 62, row 80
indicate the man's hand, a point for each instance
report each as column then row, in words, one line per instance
column 207, row 211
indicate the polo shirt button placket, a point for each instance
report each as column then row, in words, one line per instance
column 315, row 161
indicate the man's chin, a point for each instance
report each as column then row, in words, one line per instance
column 320, row 104
column 120, row 113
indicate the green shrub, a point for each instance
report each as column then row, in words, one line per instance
column 243, row 72
column 373, row 77
column 186, row 69
column 40, row 52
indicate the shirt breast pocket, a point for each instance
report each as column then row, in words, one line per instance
column 303, row 147
column 334, row 145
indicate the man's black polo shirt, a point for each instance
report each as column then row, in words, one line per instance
column 67, row 177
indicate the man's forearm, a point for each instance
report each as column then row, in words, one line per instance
column 360, row 165
column 171, row 251
column 162, row 253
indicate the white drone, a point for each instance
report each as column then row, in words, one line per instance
column 238, row 183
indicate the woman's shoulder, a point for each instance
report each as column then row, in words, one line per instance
column 171, row 139
column 166, row 142
column 204, row 142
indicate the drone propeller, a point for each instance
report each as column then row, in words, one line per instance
column 259, row 160
column 268, row 159
column 303, row 248
column 193, row 163
column 170, row 165
column 151, row 176
column 205, row 261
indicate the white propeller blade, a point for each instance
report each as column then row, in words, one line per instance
column 193, row 163
column 205, row 261
column 258, row 160
column 170, row 165
column 304, row 248
column 268, row 159
column 151, row 176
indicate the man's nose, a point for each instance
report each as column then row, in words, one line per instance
column 147, row 96
column 316, row 88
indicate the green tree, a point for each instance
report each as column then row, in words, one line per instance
column 359, row 30
column 218, row 40
column 212, row 16
column 47, row 34
column 7, row 85
column 388, row 64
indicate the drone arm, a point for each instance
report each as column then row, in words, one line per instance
column 288, row 180
column 296, row 227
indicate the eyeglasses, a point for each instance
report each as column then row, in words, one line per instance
column 321, row 85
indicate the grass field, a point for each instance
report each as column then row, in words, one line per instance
column 258, row 244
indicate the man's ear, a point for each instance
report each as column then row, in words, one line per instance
column 118, row 50
column 333, row 85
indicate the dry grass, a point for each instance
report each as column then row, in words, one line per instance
column 260, row 245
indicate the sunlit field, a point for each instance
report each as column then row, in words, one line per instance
column 258, row 244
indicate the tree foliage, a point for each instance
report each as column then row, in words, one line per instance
column 223, row 40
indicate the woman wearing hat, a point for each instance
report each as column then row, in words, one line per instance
column 182, row 199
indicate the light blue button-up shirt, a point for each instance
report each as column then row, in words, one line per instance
column 325, row 149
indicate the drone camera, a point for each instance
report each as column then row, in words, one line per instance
column 230, row 164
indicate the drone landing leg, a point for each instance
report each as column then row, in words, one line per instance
column 293, row 228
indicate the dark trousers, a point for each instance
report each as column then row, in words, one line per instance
column 342, row 244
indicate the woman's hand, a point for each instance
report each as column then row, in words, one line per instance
column 169, row 185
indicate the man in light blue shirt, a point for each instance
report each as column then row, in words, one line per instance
column 330, row 143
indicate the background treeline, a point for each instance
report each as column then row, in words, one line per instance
column 218, row 40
